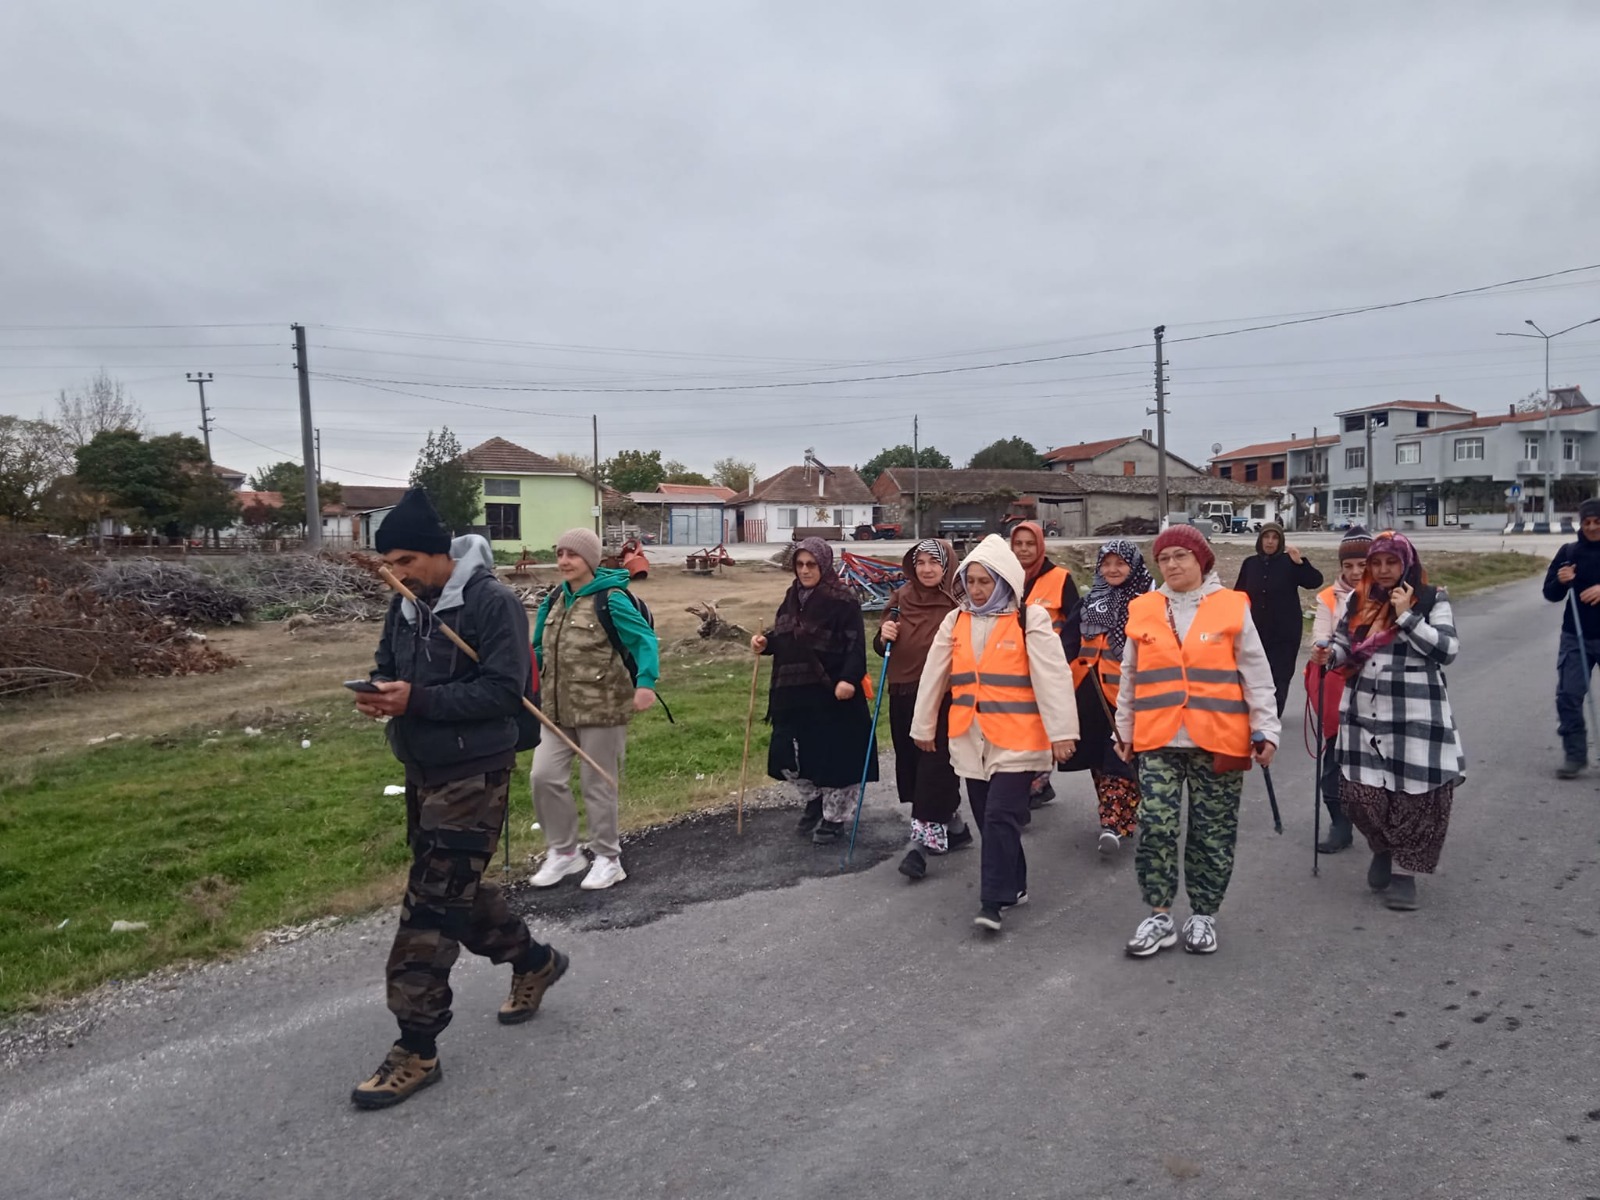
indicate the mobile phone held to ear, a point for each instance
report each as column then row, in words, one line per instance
column 361, row 685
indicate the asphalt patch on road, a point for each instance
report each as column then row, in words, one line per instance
column 702, row 859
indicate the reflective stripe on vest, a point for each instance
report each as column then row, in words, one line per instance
column 997, row 692
column 1095, row 656
column 1195, row 686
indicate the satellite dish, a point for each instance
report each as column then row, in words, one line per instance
column 1216, row 447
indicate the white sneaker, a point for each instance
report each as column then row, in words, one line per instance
column 1109, row 841
column 558, row 866
column 1155, row 932
column 1200, row 934
column 603, row 874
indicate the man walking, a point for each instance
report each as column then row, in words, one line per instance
column 453, row 724
column 1576, row 567
column 598, row 662
column 1272, row 577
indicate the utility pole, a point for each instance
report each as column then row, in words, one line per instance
column 1160, row 411
column 1312, row 495
column 200, row 379
column 319, row 457
column 916, row 480
column 594, row 421
column 308, row 444
column 1549, row 411
column 1372, row 423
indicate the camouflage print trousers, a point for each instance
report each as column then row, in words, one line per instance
column 1213, row 828
column 453, row 829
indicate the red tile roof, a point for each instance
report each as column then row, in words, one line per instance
column 1084, row 451
column 500, row 457
column 264, row 499
column 798, row 485
column 695, row 489
column 1271, row 449
column 1434, row 405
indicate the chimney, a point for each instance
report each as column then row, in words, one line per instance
column 1513, row 410
column 1436, row 399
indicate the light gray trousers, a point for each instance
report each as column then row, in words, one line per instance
column 551, row 779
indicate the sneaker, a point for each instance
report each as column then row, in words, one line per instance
column 529, row 988
column 1340, row 837
column 1402, row 893
column 988, row 918
column 960, row 838
column 1155, row 932
column 605, row 872
column 1043, row 796
column 1570, row 768
column 1200, row 934
column 809, row 816
column 913, row 865
column 557, row 866
column 1022, row 898
column 826, row 833
column 1109, row 841
column 400, row 1074
column 1380, row 872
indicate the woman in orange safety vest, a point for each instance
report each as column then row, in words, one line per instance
column 1051, row 586
column 1197, row 701
column 1011, row 710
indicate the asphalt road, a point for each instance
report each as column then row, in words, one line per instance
column 853, row 1035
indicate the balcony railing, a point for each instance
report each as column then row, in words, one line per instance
column 1566, row 466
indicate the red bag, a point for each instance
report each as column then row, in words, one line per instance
column 1332, row 693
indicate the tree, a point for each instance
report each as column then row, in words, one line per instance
column 149, row 482
column 731, row 473
column 676, row 472
column 581, row 463
column 1014, row 453
column 1532, row 402
column 33, row 455
column 903, row 456
column 211, row 504
column 101, row 405
column 635, row 471
column 456, row 492
column 288, row 479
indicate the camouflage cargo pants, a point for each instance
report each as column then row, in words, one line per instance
column 1213, row 828
column 453, row 829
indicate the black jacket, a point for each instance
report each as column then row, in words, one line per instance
column 462, row 718
column 1273, row 583
column 1586, row 557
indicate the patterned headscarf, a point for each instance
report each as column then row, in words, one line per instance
column 1105, row 609
column 823, row 554
column 1371, row 617
column 934, row 547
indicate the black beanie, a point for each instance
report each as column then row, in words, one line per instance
column 1589, row 508
column 413, row 524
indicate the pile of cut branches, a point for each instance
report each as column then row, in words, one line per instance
column 328, row 588
column 188, row 596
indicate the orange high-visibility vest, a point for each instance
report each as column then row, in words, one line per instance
column 1196, row 685
column 998, row 690
column 1329, row 597
column 1049, row 590
column 1095, row 656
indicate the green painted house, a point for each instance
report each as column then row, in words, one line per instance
column 528, row 500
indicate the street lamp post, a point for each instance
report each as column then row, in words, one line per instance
column 1549, row 413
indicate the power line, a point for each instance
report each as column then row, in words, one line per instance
column 296, row 458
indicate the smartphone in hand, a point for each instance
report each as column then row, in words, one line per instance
column 361, row 685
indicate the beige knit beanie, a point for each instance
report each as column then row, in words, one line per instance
column 585, row 543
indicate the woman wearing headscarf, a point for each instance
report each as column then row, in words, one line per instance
column 821, row 724
column 925, row 781
column 1049, row 585
column 1011, row 710
column 1120, row 575
column 1399, row 750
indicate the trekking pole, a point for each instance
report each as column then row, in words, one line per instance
column 872, row 737
column 1583, row 657
column 749, row 720
column 1322, row 746
column 1272, row 795
column 389, row 577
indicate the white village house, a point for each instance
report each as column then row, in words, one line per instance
column 810, row 498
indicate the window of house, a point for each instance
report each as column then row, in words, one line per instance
column 1352, row 423
column 1277, row 470
column 1569, row 448
column 841, row 516
column 1530, row 446
column 1407, row 454
column 1422, row 420
column 504, row 522
column 1258, row 512
column 1130, row 468
column 1355, row 458
column 1469, row 449
column 1225, row 471
column 1251, row 470
column 1347, row 506
column 502, row 487
column 788, row 518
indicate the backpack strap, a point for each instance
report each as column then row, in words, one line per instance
column 602, row 612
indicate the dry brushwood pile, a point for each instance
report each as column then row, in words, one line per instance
column 187, row 596
column 329, row 588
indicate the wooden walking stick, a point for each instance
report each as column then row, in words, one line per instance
column 393, row 581
column 749, row 721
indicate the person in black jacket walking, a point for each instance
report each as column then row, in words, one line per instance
column 1272, row 577
column 453, row 724
column 1576, row 566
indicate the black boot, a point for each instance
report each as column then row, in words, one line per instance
column 1380, row 872
column 1402, row 894
column 1340, row 837
column 810, row 817
column 913, row 865
column 827, row 832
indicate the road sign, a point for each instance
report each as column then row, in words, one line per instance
column 1514, row 490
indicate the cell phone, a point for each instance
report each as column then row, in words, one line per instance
column 361, row 685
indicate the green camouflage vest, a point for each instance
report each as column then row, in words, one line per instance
column 583, row 681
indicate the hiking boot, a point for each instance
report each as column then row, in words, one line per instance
column 1402, row 893
column 1570, row 768
column 809, row 816
column 557, row 866
column 1200, row 934
column 1340, row 837
column 826, row 833
column 528, row 988
column 400, row 1074
column 913, row 865
column 1109, row 841
column 605, row 872
column 1380, row 872
column 988, row 918
column 1043, row 796
column 1155, row 932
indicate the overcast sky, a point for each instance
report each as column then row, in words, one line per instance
column 630, row 196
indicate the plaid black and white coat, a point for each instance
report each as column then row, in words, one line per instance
column 1396, row 729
